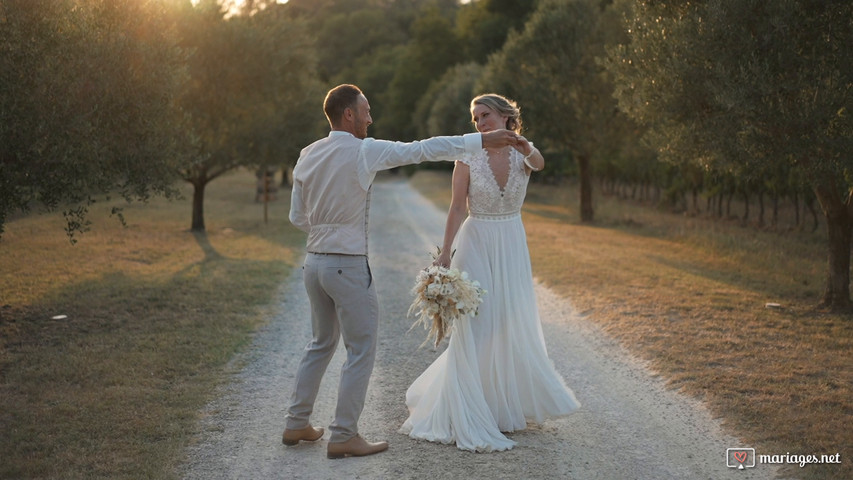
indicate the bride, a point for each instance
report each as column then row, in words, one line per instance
column 495, row 373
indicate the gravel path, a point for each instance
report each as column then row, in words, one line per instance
column 629, row 427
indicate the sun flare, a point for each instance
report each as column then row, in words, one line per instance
column 234, row 6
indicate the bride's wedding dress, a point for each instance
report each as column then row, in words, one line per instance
column 495, row 373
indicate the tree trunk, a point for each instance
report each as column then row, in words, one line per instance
column 729, row 197
column 586, row 188
column 809, row 203
column 775, row 220
column 797, row 211
column 198, row 205
column 287, row 176
column 839, row 225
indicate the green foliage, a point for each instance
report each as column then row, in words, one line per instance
column 286, row 113
column 363, row 47
column 551, row 68
column 351, row 38
column 754, row 91
column 737, row 98
column 86, row 94
column 367, row 42
column 253, row 97
column 742, row 84
column 483, row 25
column 433, row 49
column 395, row 50
column 372, row 73
column 444, row 108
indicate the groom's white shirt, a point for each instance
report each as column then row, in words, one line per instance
column 332, row 178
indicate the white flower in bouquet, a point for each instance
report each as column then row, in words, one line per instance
column 443, row 296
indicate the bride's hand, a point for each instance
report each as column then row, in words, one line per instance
column 523, row 146
column 442, row 260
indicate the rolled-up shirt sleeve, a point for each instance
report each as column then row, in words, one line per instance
column 378, row 155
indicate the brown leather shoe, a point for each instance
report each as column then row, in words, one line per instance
column 355, row 447
column 308, row 434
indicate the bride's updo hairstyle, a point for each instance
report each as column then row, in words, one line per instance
column 503, row 106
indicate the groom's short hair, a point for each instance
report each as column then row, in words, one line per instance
column 339, row 99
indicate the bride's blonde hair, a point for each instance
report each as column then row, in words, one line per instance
column 503, row 106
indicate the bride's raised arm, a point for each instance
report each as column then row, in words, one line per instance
column 533, row 159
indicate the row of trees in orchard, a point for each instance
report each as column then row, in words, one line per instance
column 125, row 98
column 689, row 103
column 757, row 93
column 253, row 96
column 710, row 99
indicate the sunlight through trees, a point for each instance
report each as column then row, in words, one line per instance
column 687, row 106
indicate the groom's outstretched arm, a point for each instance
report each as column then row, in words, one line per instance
column 378, row 155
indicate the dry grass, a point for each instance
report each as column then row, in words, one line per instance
column 154, row 313
column 688, row 295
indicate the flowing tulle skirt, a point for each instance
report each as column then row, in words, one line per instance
column 495, row 373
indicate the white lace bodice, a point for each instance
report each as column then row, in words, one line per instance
column 485, row 197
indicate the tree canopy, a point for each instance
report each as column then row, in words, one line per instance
column 252, row 98
column 754, row 89
column 87, row 91
column 710, row 98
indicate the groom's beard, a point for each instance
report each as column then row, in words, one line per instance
column 362, row 131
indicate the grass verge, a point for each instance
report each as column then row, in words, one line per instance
column 689, row 295
column 152, row 314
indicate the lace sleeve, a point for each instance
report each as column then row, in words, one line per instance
column 466, row 158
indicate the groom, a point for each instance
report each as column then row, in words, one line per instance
column 330, row 201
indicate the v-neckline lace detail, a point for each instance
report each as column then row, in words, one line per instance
column 495, row 175
column 485, row 195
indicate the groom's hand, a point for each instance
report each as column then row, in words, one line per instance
column 499, row 138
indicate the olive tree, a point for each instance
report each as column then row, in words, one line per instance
column 253, row 98
column 749, row 87
column 444, row 109
column 552, row 69
column 87, row 97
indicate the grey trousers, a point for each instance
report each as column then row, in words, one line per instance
column 343, row 304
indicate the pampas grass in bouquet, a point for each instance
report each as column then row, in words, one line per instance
column 443, row 296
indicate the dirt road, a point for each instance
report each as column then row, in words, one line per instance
column 629, row 427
